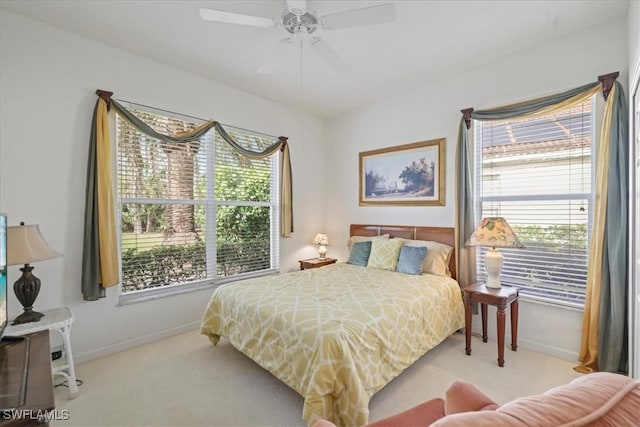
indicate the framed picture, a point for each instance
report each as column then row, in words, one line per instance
column 406, row 175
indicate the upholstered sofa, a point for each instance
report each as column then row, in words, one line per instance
column 597, row 399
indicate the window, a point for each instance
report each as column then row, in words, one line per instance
column 193, row 212
column 537, row 174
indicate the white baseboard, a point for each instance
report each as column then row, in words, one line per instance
column 560, row 353
column 132, row 343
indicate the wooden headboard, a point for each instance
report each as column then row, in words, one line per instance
column 437, row 234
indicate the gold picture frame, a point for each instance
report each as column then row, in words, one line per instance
column 404, row 175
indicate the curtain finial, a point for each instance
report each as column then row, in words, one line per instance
column 466, row 113
column 607, row 82
column 106, row 97
column 283, row 142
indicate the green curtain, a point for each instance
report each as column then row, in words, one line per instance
column 613, row 325
column 99, row 263
column 543, row 105
column 604, row 335
column 465, row 221
column 146, row 129
column 92, row 288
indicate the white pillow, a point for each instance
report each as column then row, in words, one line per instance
column 438, row 256
column 354, row 239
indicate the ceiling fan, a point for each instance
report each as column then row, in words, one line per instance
column 301, row 22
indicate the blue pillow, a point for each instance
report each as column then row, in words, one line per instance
column 360, row 252
column 411, row 259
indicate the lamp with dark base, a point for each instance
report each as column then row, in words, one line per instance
column 27, row 288
column 25, row 245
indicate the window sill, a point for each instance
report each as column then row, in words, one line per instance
column 163, row 292
column 167, row 291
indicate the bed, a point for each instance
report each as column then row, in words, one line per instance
column 340, row 333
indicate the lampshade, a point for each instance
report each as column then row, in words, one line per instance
column 25, row 245
column 321, row 239
column 494, row 232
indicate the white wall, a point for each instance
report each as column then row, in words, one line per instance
column 433, row 111
column 634, row 38
column 47, row 82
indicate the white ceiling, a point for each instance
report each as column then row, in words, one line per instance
column 427, row 41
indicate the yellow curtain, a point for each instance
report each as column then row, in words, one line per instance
column 109, row 268
column 286, row 190
column 588, row 356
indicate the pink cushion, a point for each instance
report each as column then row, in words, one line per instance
column 421, row 415
column 598, row 399
column 465, row 397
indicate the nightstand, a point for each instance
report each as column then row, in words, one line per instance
column 315, row 262
column 500, row 298
column 59, row 320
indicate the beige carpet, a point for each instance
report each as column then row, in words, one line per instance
column 185, row 381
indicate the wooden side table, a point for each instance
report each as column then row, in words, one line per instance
column 315, row 262
column 58, row 320
column 500, row 298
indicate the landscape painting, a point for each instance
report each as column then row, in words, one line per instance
column 410, row 174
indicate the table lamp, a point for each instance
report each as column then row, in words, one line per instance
column 494, row 232
column 322, row 241
column 25, row 245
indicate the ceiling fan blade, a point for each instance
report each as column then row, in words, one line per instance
column 329, row 55
column 276, row 57
column 236, row 18
column 297, row 7
column 357, row 17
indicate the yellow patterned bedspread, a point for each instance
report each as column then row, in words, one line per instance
column 335, row 334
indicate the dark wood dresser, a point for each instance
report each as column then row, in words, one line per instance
column 26, row 387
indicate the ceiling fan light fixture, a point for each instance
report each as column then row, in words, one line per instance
column 296, row 24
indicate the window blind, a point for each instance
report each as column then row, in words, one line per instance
column 245, row 201
column 193, row 211
column 537, row 174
